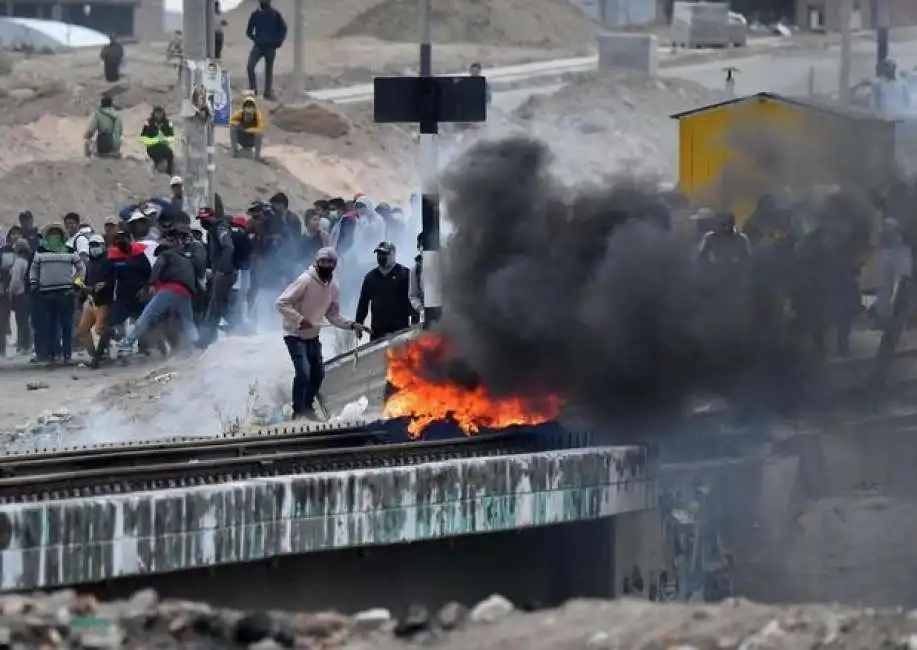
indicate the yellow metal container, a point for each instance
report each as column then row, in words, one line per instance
column 732, row 152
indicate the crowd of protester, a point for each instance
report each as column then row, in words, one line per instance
column 156, row 280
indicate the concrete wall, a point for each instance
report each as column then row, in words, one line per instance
column 531, row 567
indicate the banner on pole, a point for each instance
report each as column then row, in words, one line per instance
column 208, row 82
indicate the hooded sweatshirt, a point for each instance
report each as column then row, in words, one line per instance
column 308, row 298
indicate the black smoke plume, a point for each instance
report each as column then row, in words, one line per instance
column 586, row 294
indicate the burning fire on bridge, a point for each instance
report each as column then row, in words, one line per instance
column 431, row 387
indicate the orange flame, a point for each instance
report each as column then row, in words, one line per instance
column 425, row 401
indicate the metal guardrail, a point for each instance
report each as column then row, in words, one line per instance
column 93, row 471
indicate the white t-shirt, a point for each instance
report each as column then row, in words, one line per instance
column 79, row 243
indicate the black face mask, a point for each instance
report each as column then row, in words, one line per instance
column 324, row 273
column 382, row 259
column 206, row 224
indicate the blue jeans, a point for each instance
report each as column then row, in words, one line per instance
column 161, row 305
column 54, row 331
column 308, row 371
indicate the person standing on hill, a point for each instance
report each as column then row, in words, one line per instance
column 267, row 31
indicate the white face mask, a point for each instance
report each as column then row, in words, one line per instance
column 333, row 214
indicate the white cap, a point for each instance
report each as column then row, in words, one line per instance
column 137, row 215
column 176, row 180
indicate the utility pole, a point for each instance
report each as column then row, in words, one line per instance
column 882, row 21
column 429, row 101
column 299, row 83
column 429, row 198
column 843, row 89
column 198, row 47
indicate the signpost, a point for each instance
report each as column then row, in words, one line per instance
column 429, row 101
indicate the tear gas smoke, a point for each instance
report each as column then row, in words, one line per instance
column 587, row 295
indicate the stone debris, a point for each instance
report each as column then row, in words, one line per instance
column 66, row 619
column 36, row 385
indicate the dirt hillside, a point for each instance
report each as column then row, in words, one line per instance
column 51, row 189
column 598, row 125
column 322, row 18
column 521, row 23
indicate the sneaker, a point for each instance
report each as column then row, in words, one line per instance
column 308, row 416
column 125, row 350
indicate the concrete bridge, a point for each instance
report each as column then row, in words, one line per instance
column 93, row 540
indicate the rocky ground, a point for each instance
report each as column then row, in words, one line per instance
column 68, row 620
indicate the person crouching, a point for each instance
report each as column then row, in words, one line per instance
column 310, row 298
column 246, row 128
column 157, row 135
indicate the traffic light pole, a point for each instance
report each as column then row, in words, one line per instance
column 429, row 169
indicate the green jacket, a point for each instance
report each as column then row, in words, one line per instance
column 106, row 119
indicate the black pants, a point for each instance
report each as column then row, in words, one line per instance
column 161, row 152
column 6, row 312
column 55, row 331
column 218, row 45
column 254, row 56
column 218, row 308
column 308, row 371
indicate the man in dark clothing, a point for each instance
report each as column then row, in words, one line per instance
column 281, row 205
column 174, row 281
column 267, row 31
column 218, row 30
column 220, row 251
column 157, row 135
column 29, row 231
column 98, row 291
column 112, row 56
column 314, row 237
column 131, row 272
column 385, row 293
column 724, row 244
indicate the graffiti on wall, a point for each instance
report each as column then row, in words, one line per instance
column 697, row 563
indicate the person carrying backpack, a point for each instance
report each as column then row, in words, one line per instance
column 106, row 127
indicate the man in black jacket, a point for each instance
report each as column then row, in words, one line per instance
column 220, row 250
column 174, row 282
column 131, row 273
column 385, row 292
column 267, row 31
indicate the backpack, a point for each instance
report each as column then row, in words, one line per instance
column 105, row 139
column 241, row 248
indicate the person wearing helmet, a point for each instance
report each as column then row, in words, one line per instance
column 98, row 293
column 157, row 135
column 308, row 300
column 246, row 128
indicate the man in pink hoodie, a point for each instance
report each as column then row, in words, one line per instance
column 309, row 299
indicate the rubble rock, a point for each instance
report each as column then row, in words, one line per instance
column 316, row 118
column 372, row 619
column 491, row 610
column 451, row 615
column 416, row 620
